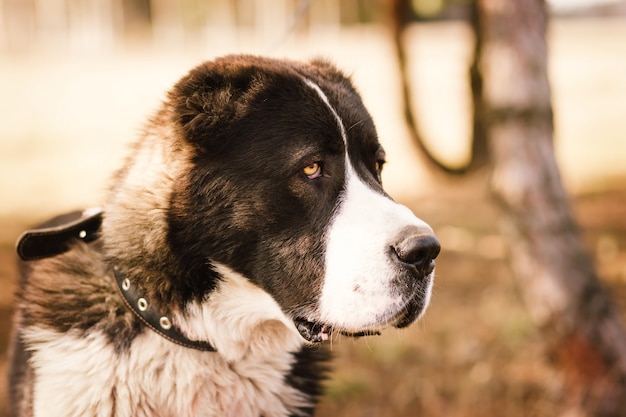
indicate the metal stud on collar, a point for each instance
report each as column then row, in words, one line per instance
column 165, row 323
column 142, row 304
column 159, row 323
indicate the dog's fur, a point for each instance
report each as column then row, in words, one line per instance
column 251, row 211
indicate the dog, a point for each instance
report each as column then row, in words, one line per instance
column 247, row 227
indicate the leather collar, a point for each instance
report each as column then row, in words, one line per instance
column 151, row 317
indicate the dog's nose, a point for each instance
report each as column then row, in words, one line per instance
column 418, row 248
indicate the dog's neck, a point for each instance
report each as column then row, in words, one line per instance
column 156, row 320
column 240, row 320
column 135, row 224
column 256, row 328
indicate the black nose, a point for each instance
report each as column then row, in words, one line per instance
column 417, row 248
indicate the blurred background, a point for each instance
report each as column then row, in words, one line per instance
column 79, row 78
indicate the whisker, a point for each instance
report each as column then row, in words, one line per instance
column 356, row 124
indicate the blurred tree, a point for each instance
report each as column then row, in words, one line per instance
column 513, row 135
column 402, row 15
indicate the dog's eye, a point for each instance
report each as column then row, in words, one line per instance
column 313, row 171
column 378, row 167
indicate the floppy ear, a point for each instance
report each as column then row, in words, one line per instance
column 213, row 96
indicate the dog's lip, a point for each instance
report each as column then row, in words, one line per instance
column 312, row 331
column 411, row 311
column 403, row 318
column 316, row 332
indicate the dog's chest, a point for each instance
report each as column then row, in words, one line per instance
column 78, row 377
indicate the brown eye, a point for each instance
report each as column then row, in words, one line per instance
column 378, row 167
column 313, row 171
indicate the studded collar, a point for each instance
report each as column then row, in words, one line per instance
column 151, row 317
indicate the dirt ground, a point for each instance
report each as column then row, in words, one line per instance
column 476, row 353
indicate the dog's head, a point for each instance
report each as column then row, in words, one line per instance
column 273, row 169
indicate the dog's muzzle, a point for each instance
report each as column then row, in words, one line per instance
column 411, row 255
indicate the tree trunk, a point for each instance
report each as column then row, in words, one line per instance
column 556, row 275
column 401, row 13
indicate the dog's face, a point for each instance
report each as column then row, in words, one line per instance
column 283, row 186
column 286, row 190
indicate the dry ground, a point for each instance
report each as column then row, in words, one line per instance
column 65, row 122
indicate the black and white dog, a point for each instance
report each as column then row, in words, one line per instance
column 248, row 224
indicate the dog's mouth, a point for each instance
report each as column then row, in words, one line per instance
column 315, row 332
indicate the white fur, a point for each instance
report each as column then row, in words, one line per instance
column 80, row 375
column 240, row 320
column 357, row 293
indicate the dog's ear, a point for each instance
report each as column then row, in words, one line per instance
column 215, row 95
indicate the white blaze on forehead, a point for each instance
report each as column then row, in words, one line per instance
column 332, row 110
column 358, row 291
